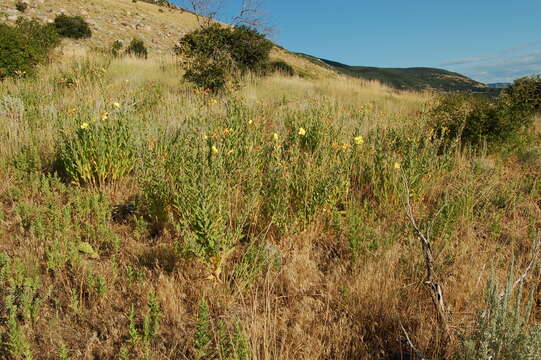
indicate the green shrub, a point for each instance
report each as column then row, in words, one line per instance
column 25, row 45
column 74, row 27
column 21, row 6
column 519, row 102
column 116, row 47
column 282, row 67
column 502, row 330
column 98, row 152
column 137, row 48
column 475, row 120
column 215, row 54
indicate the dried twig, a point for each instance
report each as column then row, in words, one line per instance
column 533, row 260
column 435, row 289
column 417, row 352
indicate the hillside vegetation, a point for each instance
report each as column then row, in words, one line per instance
column 416, row 78
column 280, row 218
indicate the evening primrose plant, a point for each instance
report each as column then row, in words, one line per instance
column 97, row 152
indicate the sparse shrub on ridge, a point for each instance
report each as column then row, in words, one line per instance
column 21, row 6
column 116, row 47
column 137, row 48
column 72, row 27
column 282, row 67
column 25, row 45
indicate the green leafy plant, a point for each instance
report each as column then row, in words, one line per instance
column 97, row 152
column 72, row 27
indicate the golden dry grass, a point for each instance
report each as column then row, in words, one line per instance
column 317, row 304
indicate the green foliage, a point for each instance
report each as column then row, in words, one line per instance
column 218, row 340
column 72, row 27
column 21, row 6
column 63, row 352
column 116, row 47
column 214, row 54
column 98, row 152
column 502, row 330
column 281, row 67
column 25, row 45
column 202, row 336
column 474, row 120
column 151, row 321
column 137, row 48
column 17, row 344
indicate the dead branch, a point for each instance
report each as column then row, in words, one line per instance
column 417, row 352
column 435, row 289
column 533, row 260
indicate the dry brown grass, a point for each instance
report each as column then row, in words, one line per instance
column 318, row 304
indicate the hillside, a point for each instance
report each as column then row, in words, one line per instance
column 416, row 78
column 159, row 27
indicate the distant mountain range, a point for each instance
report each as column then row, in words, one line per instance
column 416, row 78
column 501, row 85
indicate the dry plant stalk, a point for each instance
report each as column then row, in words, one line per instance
column 435, row 289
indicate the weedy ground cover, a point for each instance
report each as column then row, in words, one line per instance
column 263, row 223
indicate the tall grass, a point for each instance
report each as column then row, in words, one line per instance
column 263, row 223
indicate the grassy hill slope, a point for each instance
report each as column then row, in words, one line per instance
column 159, row 27
column 416, row 78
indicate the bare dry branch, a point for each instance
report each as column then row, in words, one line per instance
column 417, row 352
column 435, row 289
column 533, row 260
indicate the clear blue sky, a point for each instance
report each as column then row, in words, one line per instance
column 488, row 40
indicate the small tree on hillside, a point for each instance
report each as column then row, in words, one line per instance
column 214, row 54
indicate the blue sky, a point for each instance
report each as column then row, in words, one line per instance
column 490, row 41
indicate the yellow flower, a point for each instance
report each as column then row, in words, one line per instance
column 205, row 137
column 84, row 125
column 117, row 105
column 302, row 132
column 214, row 149
column 358, row 140
column 105, row 116
column 397, row 165
column 275, row 136
column 250, row 122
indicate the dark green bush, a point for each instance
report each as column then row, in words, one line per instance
column 282, row 67
column 137, row 48
column 474, row 120
column 74, row 27
column 21, row 6
column 25, row 45
column 116, row 47
column 215, row 54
